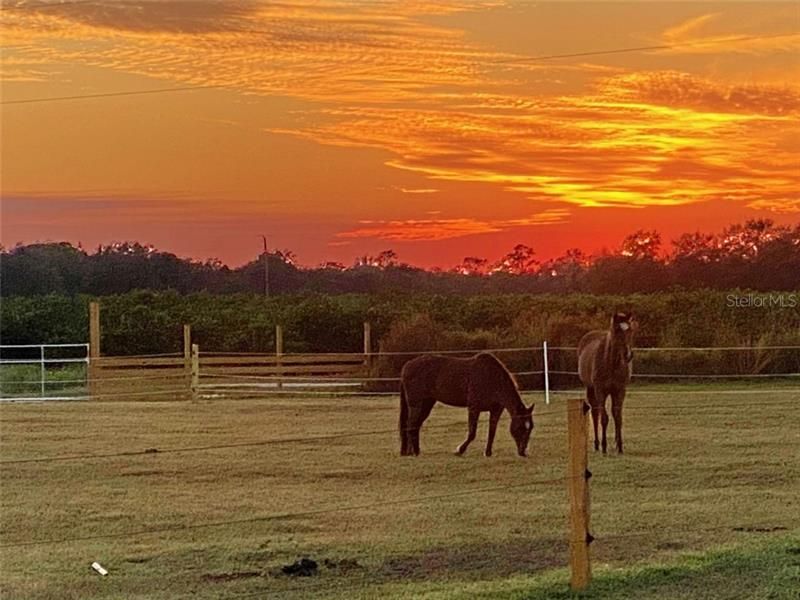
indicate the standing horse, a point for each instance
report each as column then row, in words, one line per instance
column 605, row 367
column 481, row 383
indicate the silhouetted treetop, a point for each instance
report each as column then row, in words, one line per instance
column 756, row 254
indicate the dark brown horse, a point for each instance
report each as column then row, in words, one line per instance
column 605, row 366
column 481, row 383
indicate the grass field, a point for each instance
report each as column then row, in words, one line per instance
column 705, row 503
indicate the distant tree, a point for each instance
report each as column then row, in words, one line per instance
column 700, row 247
column 332, row 266
column 625, row 275
column 519, row 261
column 42, row 269
column 384, row 260
column 745, row 241
column 472, row 265
column 287, row 256
column 641, row 244
column 565, row 272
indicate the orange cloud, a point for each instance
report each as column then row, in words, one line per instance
column 692, row 36
column 444, row 229
column 642, row 139
column 681, row 31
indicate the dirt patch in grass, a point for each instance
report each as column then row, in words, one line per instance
column 469, row 561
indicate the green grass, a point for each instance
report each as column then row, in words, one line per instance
column 25, row 380
column 752, row 570
column 703, row 505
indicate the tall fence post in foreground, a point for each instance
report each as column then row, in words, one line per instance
column 578, row 479
column 278, row 352
column 546, row 374
column 94, row 347
column 187, row 357
column 195, row 385
column 367, row 346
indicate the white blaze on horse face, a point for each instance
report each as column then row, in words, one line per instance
column 624, row 326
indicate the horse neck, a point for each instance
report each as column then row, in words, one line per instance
column 514, row 404
column 615, row 351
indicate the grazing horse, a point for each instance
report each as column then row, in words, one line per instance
column 604, row 366
column 481, row 383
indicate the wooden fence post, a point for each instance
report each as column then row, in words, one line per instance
column 195, row 385
column 94, row 348
column 187, row 357
column 278, row 352
column 578, row 482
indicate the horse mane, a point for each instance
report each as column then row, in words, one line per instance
column 489, row 358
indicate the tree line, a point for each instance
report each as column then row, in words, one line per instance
column 151, row 322
column 757, row 255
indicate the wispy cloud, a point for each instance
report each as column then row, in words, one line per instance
column 416, row 190
column 688, row 28
column 444, row 229
column 706, row 34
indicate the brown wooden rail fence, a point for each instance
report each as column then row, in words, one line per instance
column 178, row 375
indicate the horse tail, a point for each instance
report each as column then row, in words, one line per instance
column 403, row 418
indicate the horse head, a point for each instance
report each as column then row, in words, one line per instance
column 623, row 327
column 522, row 428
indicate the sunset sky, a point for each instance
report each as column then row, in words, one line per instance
column 440, row 129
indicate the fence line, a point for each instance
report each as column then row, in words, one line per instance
column 335, row 436
column 689, row 348
column 268, row 442
column 78, row 345
column 634, row 392
column 279, row 516
column 496, row 350
column 159, row 392
column 698, row 376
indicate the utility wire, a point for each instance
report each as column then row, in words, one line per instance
column 277, row 516
column 112, row 95
column 269, row 442
column 744, row 38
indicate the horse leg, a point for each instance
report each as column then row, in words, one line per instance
column 600, row 407
column 472, row 431
column 494, row 417
column 405, row 447
column 417, row 418
column 617, row 399
column 595, row 415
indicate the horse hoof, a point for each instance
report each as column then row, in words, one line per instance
column 487, row 454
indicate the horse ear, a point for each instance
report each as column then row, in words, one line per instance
column 530, row 408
